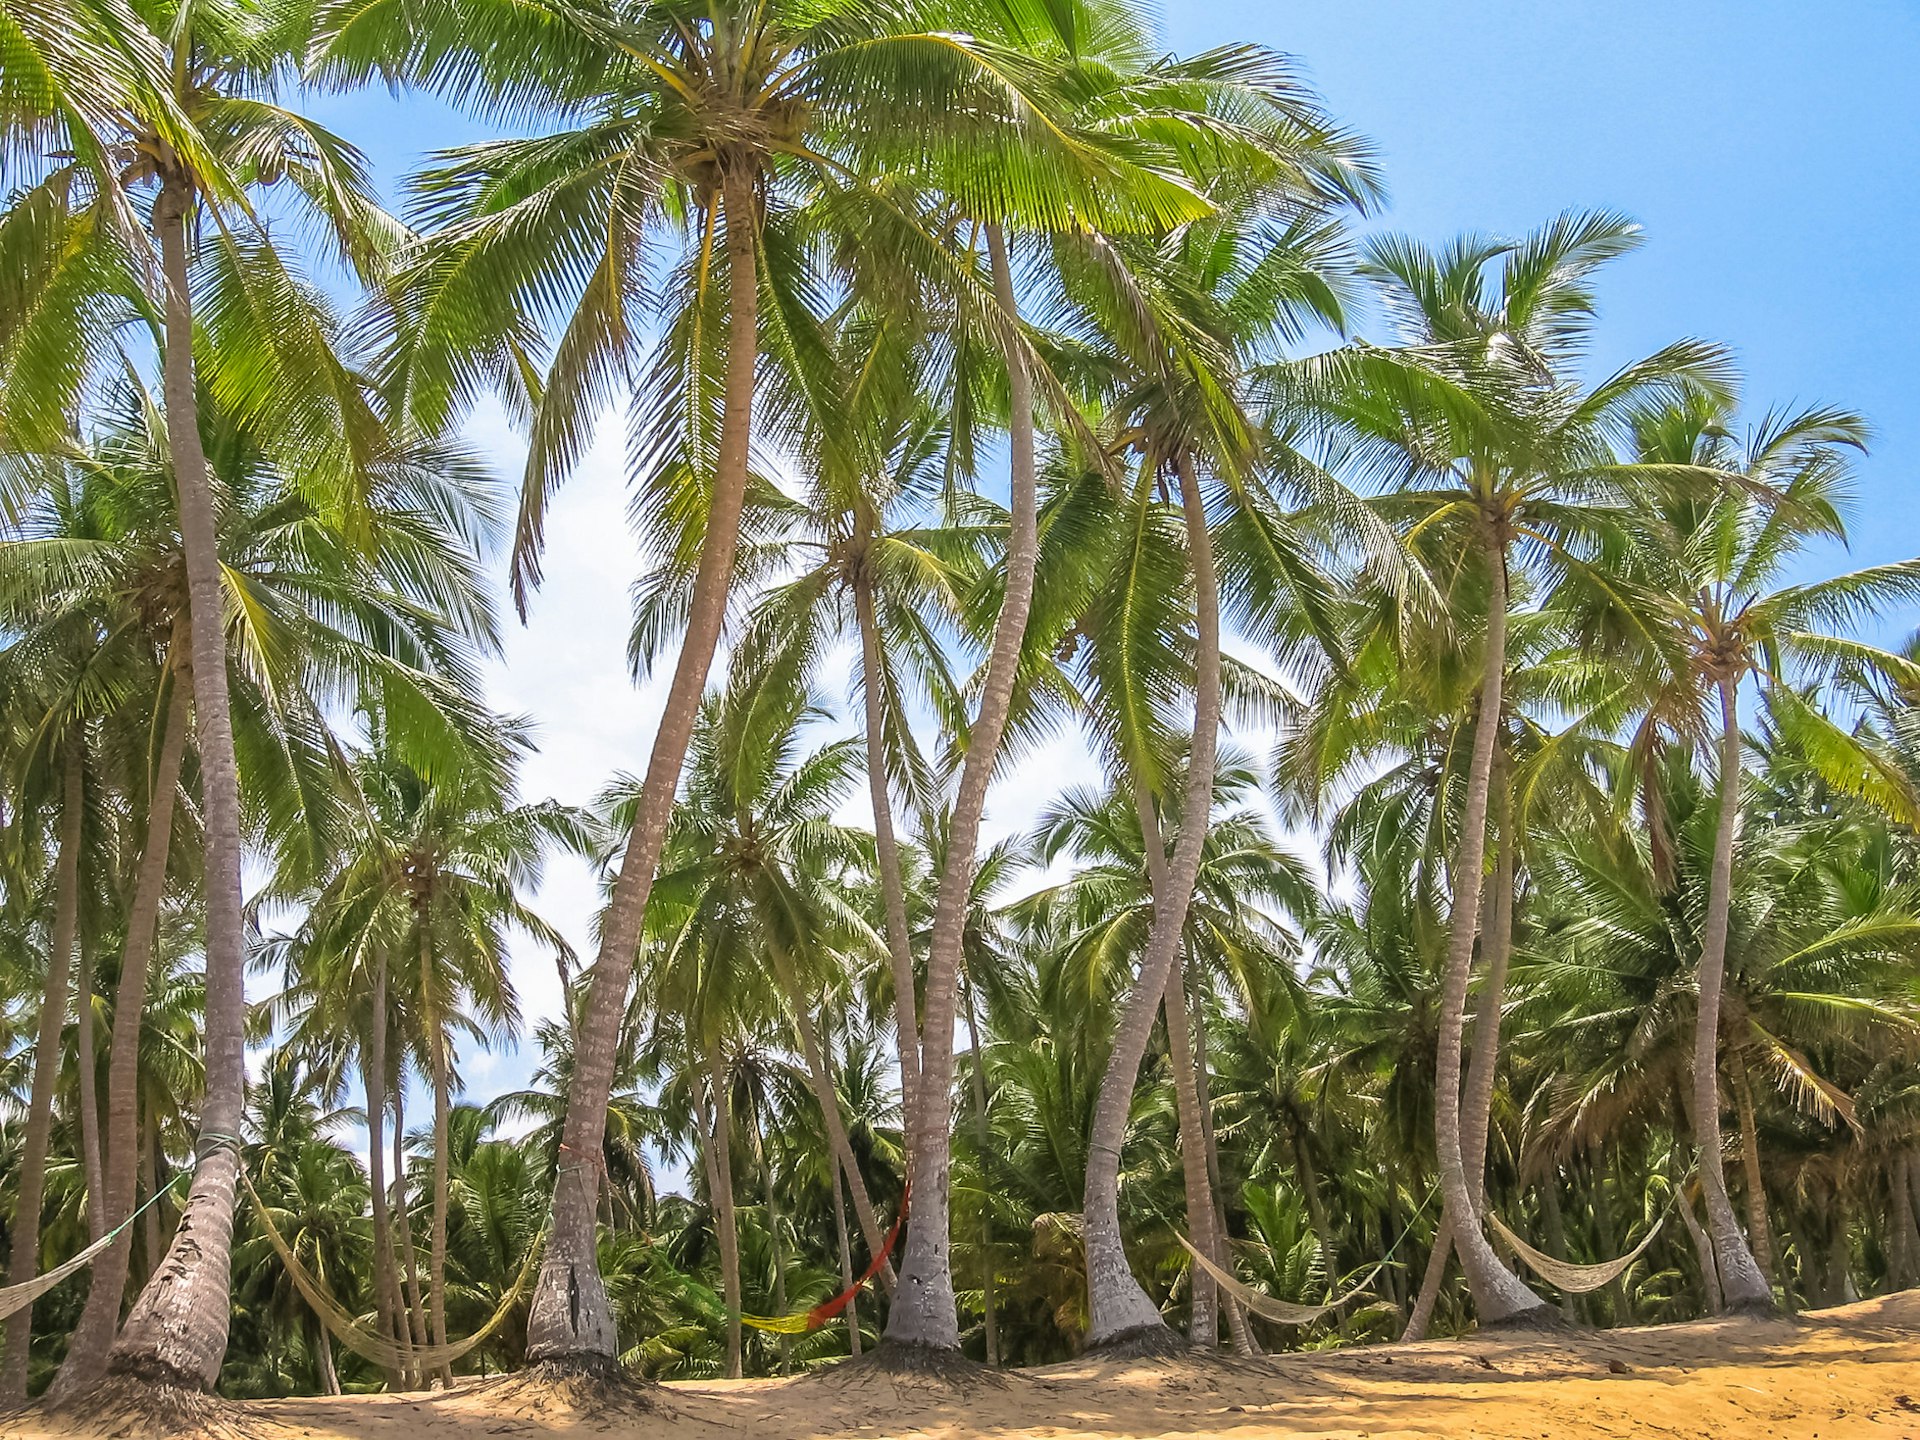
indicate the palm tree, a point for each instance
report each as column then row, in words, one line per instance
column 1495, row 442
column 177, row 112
column 1715, row 561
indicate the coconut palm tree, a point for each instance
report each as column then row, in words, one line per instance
column 147, row 133
column 1492, row 440
column 1716, row 561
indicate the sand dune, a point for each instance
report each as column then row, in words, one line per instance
column 1836, row 1373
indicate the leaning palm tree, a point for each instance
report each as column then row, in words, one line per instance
column 1492, row 440
column 1716, row 561
column 172, row 111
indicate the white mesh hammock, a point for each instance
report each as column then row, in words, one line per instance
column 1574, row 1279
column 1282, row 1312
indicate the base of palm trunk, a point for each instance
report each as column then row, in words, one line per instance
column 584, row 1383
column 1534, row 1317
column 1142, row 1342
column 899, row 1358
column 152, row 1400
column 1753, row 1309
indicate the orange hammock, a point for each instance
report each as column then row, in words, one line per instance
column 802, row 1321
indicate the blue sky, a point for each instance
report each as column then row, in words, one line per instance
column 1769, row 149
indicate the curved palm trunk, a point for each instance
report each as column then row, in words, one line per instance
column 1238, row 1330
column 1499, row 1295
column 1758, row 1230
column 1121, row 1314
column 390, row 1307
column 403, row 1227
column 25, row 1263
column 177, row 1330
column 923, row 1313
column 93, row 1336
column 893, row 885
column 1496, row 945
column 571, row 1321
column 773, row 1234
column 323, row 1356
column 1743, row 1287
column 820, row 1080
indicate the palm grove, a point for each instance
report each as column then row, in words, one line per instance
column 1619, row 808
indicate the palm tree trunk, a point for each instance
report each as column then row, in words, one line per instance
column 1758, row 1230
column 177, row 1331
column 720, row 1151
column 923, row 1313
column 87, row 1059
column 437, row 1241
column 1496, row 948
column 403, row 1227
column 1238, row 1329
column 1120, row 1312
column 846, row 1264
column 149, row 1182
column 323, row 1354
column 126, row 1154
column 893, row 885
column 773, row 1234
column 983, row 1130
column 1903, row 1222
column 1556, row 1231
column 25, row 1238
column 1203, row 1328
column 1500, row 1296
column 1703, row 1251
column 1742, row 1284
column 820, row 1080
column 571, row 1322
column 389, row 1307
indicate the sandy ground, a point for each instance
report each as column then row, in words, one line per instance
column 1836, row 1373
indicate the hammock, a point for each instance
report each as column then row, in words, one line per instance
column 361, row 1338
column 17, row 1297
column 1574, row 1279
column 1282, row 1312
column 803, row 1321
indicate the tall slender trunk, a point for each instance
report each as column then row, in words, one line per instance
column 773, row 1233
column 25, row 1262
column 437, row 1241
column 1556, row 1232
column 323, row 1356
column 403, row 1226
column 571, row 1321
column 846, row 1262
column 983, row 1132
column 1121, row 1314
column 126, row 1153
column 1758, row 1231
column 1203, row 1328
column 1238, row 1328
column 923, row 1311
column 720, row 1151
column 389, row 1306
column 827, row 1097
column 150, row 1241
column 893, row 885
column 1742, row 1284
column 1901, row 1219
column 1703, row 1251
column 89, row 1096
column 177, row 1330
column 1496, row 949
column 1499, row 1295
